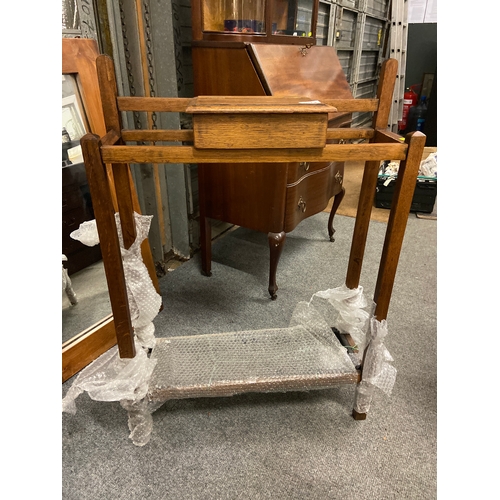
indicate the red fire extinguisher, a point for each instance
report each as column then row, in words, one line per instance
column 410, row 99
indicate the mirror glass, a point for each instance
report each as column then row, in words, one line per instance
column 85, row 298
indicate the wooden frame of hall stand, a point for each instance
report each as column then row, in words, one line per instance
column 111, row 149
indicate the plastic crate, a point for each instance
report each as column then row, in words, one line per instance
column 424, row 197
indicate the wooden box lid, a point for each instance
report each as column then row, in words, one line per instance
column 257, row 104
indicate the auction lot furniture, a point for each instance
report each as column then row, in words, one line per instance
column 214, row 119
column 266, row 48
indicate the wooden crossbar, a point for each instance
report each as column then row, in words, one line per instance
column 158, row 135
column 353, row 105
column 180, row 104
column 189, row 154
column 158, row 104
column 188, row 135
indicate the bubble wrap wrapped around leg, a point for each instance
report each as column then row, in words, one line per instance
column 140, row 420
column 377, row 372
column 345, row 309
column 144, row 301
column 111, row 378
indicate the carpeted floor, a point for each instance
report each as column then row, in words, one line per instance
column 276, row 446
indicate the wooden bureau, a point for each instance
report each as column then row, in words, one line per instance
column 271, row 198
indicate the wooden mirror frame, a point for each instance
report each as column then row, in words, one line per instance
column 78, row 58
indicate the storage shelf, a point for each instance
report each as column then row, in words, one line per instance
column 273, row 360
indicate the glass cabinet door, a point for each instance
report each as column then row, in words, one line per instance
column 235, row 16
column 292, row 17
column 288, row 17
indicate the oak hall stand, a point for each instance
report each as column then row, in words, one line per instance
column 252, row 145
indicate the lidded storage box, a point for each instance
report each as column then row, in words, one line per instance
column 254, row 122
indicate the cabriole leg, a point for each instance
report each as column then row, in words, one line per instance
column 276, row 243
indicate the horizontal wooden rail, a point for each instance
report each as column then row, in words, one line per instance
column 158, row 135
column 158, row 104
column 349, row 133
column 180, row 104
column 189, row 154
column 352, row 105
column 188, row 136
column 387, row 137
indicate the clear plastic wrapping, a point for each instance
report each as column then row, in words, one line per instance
column 304, row 356
column 377, row 370
column 271, row 360
column 111, row 378
column 144, row 301
column 346, row 309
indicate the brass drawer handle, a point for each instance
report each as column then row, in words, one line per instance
column 305, row 164
column 302, row 204
column 338, row 177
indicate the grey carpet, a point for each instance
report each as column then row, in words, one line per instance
column 276, row 446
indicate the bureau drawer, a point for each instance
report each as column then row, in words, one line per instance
column 310, row 195
column 298, row 170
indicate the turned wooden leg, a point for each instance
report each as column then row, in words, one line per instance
column 336, row 202
column 276, row 243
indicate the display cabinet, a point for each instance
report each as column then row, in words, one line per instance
column 272, row 21
column 249, row 50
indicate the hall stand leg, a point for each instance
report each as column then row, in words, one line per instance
column 104, row 212
column 398, row 218
column 276, row 243
column 396, row 226
column 205, row 227
column 336, row 202
column 126, row 201
column 362, row 223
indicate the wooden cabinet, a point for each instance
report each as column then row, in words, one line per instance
column 76, row 208
column 262, row 21
column 271, row 198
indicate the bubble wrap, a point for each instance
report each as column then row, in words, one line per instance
column 346, row 309
column 377, row 372
column 274, row 360
column 144, row 301
column 111, row 378
column 305, row 355
column 87, row 233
